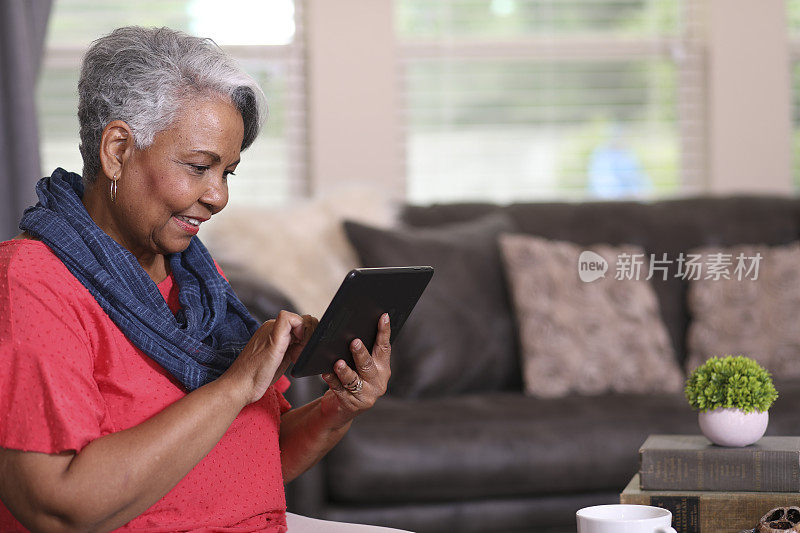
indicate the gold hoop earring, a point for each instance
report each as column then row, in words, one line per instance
column 114, row 189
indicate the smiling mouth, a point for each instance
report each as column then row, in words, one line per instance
column 189, row 220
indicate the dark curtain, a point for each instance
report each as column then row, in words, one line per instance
column 23, row 25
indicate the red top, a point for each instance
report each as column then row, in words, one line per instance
column 68, row 375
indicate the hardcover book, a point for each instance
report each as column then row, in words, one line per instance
column 707, row 511
column 691, row 462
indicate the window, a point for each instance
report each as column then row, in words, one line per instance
column 511, row 100
column 267, row 41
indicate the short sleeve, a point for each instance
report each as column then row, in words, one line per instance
column 49, row 400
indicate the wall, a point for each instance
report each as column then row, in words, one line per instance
column 353, row 97
column 749, row 103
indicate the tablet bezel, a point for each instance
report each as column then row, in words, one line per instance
column 364, row 295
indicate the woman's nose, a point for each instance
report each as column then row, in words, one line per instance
column 216, row 194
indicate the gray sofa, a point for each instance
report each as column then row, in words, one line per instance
column 477, row 455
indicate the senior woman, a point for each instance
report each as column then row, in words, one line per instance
column 136, row 392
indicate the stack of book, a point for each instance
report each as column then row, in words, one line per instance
column 710, row 488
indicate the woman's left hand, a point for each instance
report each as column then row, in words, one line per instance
column 352, row 391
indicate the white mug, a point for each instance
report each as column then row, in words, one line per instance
column 624, row 519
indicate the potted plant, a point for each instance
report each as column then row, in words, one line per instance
column 733, row 395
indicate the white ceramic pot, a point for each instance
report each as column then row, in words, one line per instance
column 733, row 427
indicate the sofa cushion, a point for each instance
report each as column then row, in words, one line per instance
column 668, row 226
column 587, row 337
column 460, row 336
column 498, row 445
column 753, row 314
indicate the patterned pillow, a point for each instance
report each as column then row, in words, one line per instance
column 754, row 316
column 582, row 337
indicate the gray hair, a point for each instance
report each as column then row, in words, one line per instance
column 143, row 75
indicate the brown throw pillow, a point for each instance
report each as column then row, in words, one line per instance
column 460, row 337
column 752, row 317
column 585, row 337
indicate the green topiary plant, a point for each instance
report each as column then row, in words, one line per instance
column 730, row 382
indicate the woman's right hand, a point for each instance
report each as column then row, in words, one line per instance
column 271, row 349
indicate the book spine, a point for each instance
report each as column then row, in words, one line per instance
column 715, row 512
column 720, row 469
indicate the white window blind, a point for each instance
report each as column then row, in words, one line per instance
column 265, row 37
column 511, row 100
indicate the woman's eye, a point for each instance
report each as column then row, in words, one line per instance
column 199, row 169
column 227, row 173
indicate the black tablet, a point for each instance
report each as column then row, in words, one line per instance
column 365, row 294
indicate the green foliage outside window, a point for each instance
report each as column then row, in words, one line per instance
column 730, row 382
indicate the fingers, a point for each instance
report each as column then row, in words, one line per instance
column 365, row 364
column 303, row 332
column 286, row 326
column 347, row 376
column 382, row 349
column 310, row 323
column 358, row 389
column 298, row 330
column 308, row 327
column 333, row 382
column 264, row 359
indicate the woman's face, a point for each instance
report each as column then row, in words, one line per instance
column 166, row 190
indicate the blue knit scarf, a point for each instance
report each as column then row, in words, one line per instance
column 198, row 343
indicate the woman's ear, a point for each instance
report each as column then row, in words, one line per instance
column 116, row 145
